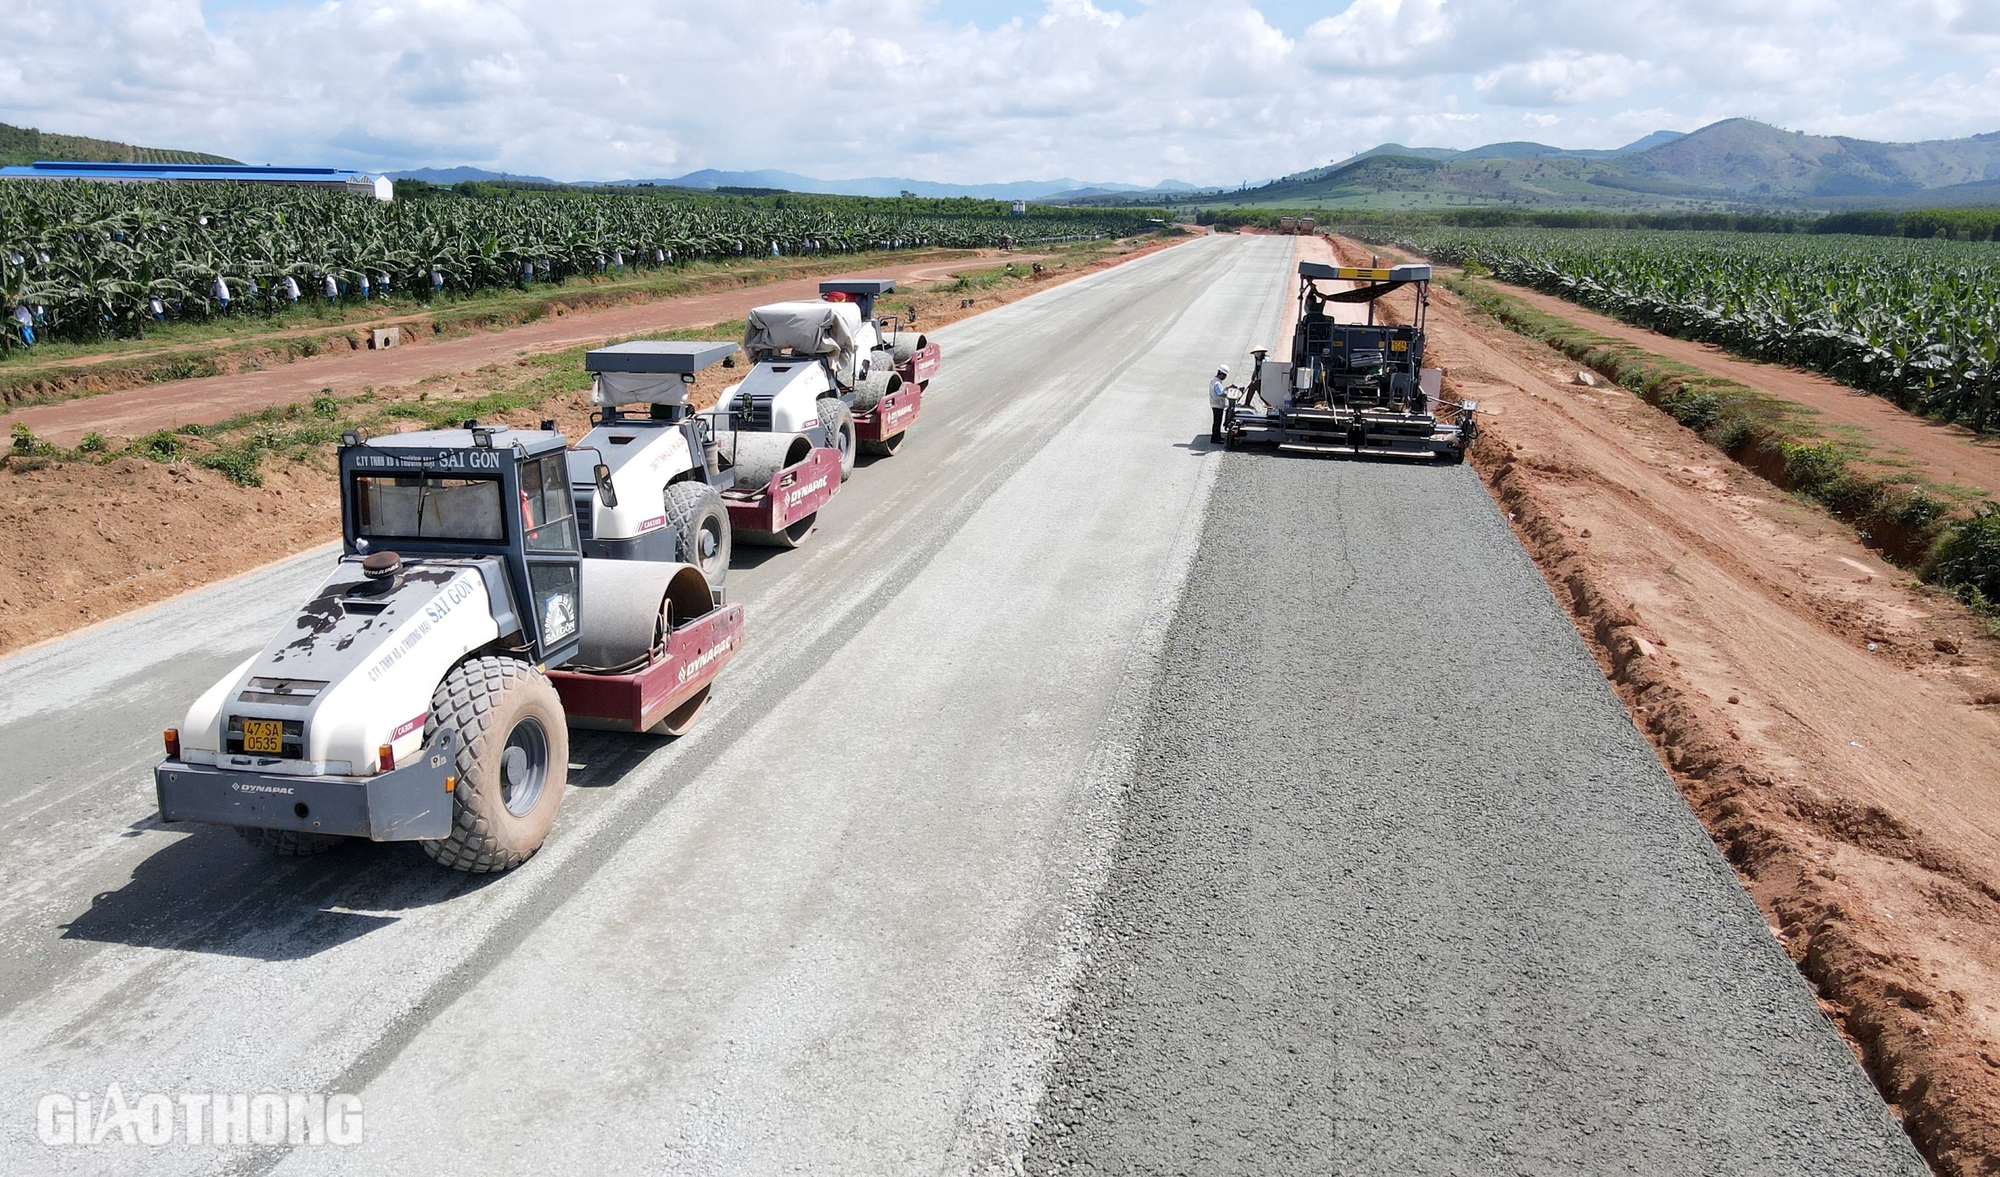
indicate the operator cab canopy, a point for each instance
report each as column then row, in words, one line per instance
column 649, row 371
column 861, row 291
column 1382, row 280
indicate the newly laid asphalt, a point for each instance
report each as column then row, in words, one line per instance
column 994, row 847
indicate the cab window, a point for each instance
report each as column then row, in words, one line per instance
column 548, row 515
column 425, row 506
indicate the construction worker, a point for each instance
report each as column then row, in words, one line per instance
column 1218, row 399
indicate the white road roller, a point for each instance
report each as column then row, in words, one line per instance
column 425, row 692
column 663, row 500
column 827, row 379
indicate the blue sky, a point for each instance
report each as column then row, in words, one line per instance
column 1207, row 91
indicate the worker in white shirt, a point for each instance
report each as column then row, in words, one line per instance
column 1218, row 399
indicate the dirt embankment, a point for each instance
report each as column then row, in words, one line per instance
column 1834, row 723
column 88, row 538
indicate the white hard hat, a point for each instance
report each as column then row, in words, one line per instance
column 1223, row 370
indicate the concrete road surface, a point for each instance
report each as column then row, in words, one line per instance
column 838, row 928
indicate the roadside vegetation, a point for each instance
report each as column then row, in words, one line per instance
column 82, row 261
column 1910, row 321
column 1952, row 224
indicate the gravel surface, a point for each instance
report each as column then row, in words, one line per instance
column 1377, row 907
column 1401, row 890
column 830, row 931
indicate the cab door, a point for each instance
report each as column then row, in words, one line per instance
column 550, row 548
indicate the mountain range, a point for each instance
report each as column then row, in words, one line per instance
column 709, row 179
column 1509, row 150
column 1736, row 162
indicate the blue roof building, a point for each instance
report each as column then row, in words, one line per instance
column 356, row 183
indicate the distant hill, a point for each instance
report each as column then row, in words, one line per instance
column 1512, row 150
column 1747, row 157
column 1733, row 163
column 462, row 175
column 25, row 145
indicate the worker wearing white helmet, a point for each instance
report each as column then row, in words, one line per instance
column 1218, row 399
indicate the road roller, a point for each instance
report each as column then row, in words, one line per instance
column 884, row 409
column 426, row 691
column 827, row 381
column 663, row 500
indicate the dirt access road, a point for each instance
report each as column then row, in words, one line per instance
column 836, row 929
column 1831, row 720
column 137, row 411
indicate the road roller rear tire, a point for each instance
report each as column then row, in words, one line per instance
column 885, row 447
column 512, row 767
column 838, row 421
column 696, row 513
column 681, row 719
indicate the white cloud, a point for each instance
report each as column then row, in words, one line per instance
column 1558, row 80
column 1203, row 91
column 1373, row 36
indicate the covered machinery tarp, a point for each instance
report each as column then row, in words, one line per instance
column 828, row 329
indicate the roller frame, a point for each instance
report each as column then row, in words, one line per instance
column 893, row 414
column 919, row 368
column 687, row 662
column 792, row 494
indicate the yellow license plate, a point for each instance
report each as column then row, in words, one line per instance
column 1399, row 345
column 263, row 735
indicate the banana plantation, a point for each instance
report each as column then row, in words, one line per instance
column 1916, row 321
column 79, row 260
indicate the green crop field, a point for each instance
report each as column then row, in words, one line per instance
column 81, row 260
column 1916, row 321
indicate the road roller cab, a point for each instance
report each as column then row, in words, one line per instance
column 425, row 692
column 484, row 496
